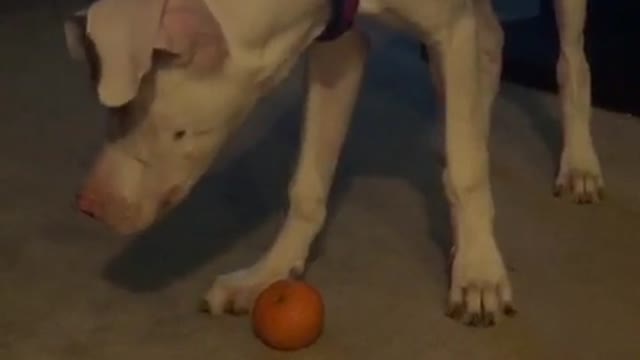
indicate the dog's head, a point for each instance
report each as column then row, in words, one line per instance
column 174, row 92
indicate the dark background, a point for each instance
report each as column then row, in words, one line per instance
column 612, row 38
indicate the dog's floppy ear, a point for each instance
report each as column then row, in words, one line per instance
column 192, row 34
column 125, row 34
column 74, row 31
column 80, row 46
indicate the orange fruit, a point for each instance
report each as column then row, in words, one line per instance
column 288, row 315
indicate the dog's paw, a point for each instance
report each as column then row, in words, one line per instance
column 580, row 178
column 480, row 291
column 235, row 293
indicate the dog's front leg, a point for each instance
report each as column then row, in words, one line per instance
column 335, row 70
column 479, row 288
column 579, row 172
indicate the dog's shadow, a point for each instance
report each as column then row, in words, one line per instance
column 389, row 137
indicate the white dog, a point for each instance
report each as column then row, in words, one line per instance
column 178, row 76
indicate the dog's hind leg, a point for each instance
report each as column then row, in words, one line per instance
column 579, row 173
column 490, row 43
column 480, row 288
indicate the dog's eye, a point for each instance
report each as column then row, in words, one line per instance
column 179, row 134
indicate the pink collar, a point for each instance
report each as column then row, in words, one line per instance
column 343, row 13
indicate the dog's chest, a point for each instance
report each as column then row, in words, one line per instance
column 389, row 12
column 419, row 17
column 371, row 7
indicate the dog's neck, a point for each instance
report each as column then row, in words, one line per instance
column 255, row 24
column 269, row 42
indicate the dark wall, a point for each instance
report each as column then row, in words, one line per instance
column 612, row 38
